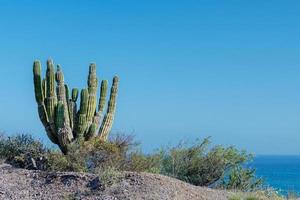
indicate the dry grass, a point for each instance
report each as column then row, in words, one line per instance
column 268, row 194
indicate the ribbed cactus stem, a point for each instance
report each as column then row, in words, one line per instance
column 43, row 114
column 61, row 93
column 98, row 116
column 37, row 77
column 73, row 108
column 92, row 89
column 50, row 78
column 84, row 97
column 72, row 113
column 60, row 88
column 74, row 94
column 44, row 119
column 92, row 79
column 44, row 86
column 51, row 99
column 113, row 95
column 92, row 103
column 60, row 115
column 67, row 92
column 63, row 130
column 62, row 101
column 109, row 116
column 91, row 132
column 102, row 98
column 39, row 94
column 82, row 122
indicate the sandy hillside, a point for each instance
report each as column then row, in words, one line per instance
column 27, row 185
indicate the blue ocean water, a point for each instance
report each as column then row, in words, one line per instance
column 279, row 172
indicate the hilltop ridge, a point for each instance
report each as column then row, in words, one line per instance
column 24, row 184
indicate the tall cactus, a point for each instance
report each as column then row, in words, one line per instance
column 57, row 108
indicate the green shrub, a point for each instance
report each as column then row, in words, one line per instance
column 242, row 179
column 22, row 151
column 217, row 167
column 120, row 153
column 83, row 157
column 109, row 176
column 139, row 162
column 73, row 162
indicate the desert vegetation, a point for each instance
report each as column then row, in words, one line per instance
column 215, row 167
column 199, row 163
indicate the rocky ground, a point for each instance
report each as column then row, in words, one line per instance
column 29, row 185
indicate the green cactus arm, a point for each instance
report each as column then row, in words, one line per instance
column 113, row 95
column 68, row 101
column 50, row 78
column 84, row 97
column 81, row 127
column 91, row 109
column 61, row 93
column 44, row 86
column 60, row 88
column 59, row 117
column 81, row 120
column 74, row 94
column 106, row 126
column 102, row 98
column 92, row 79
column 37, row 78
column 43, row 115
column 62, row 100
column 72, row 105
column 64, row 132
column 39, row 94
column 67, row 92
column 71, row 112
column 91, row 132
column 51, row 99
column 109, row 116
column 98, row 116
column 51, row 103
column 92, row 88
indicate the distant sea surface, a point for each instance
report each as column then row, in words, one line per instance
column 279, row 172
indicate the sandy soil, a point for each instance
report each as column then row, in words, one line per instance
column 29, row 185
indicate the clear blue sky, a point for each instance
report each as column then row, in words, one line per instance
column 188, row 69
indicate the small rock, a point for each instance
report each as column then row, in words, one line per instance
column 96, row 184
column 68, row 179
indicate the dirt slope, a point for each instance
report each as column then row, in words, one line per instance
column 29, row 185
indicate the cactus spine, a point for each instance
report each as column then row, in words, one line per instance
column 57, row 107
